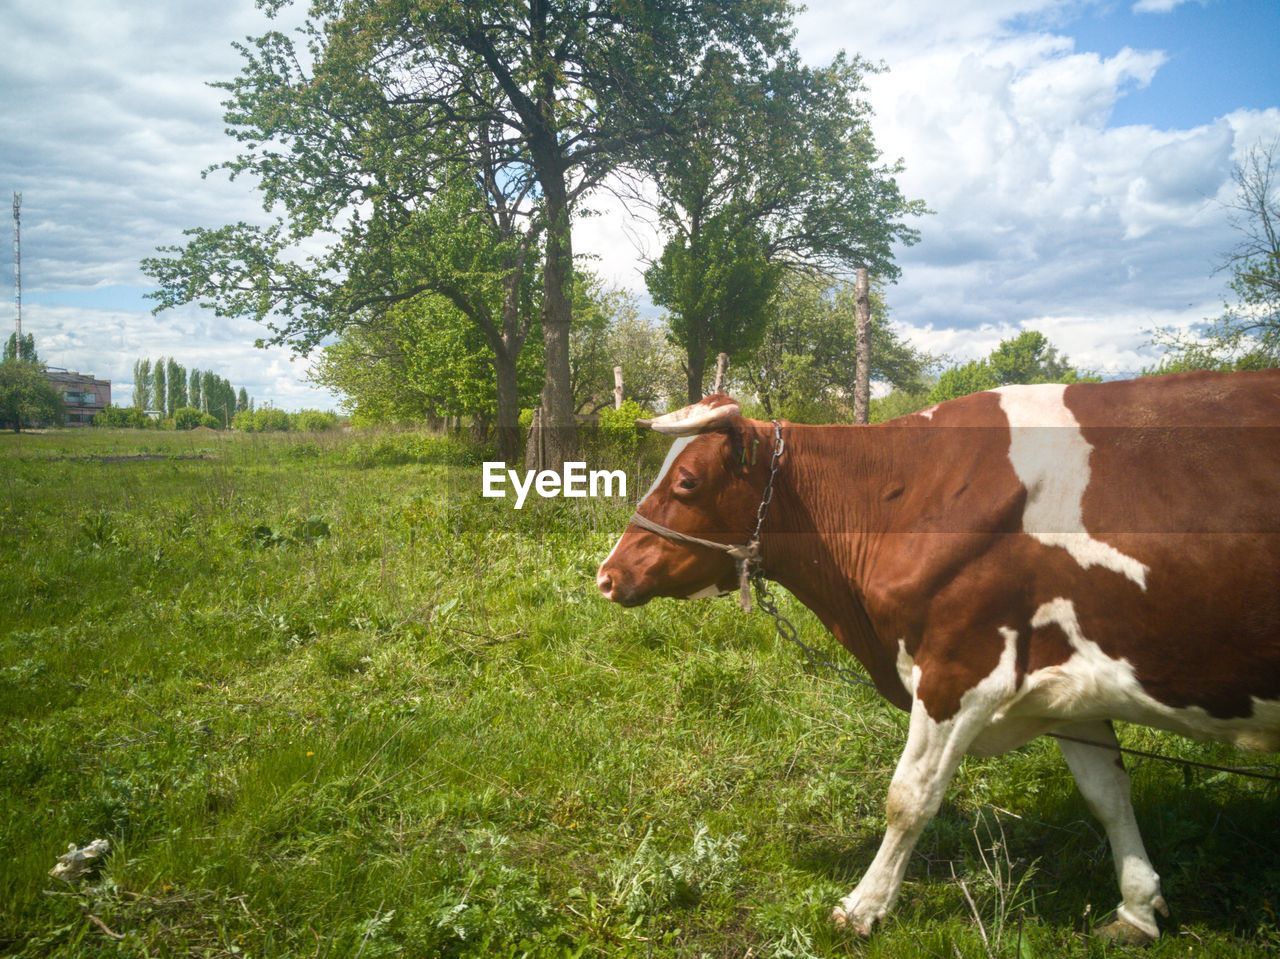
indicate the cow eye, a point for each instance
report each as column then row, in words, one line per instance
column 687, row 480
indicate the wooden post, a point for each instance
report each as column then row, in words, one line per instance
column 722, row 365
column 617, row 387
column 862, row 377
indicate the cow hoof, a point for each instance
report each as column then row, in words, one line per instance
column 845, row 922
column 1124, row 933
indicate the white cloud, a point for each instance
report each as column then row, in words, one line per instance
column 1046, row 216
column 1157, row 6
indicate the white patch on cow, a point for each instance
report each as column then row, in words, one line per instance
column 676, row 448
column 928, row 414
column 1093, row 685
column 933, row 751
column 1051, row 457
column 908, row 673
column 709, row 592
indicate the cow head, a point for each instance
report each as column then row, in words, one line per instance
column 710, row 487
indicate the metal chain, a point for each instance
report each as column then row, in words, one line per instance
column 818, row 660
column 779, row 445
column 787, row 630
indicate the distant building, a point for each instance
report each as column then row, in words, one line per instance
column 82, row 394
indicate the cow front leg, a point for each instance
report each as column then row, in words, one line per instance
column 932, row 754
column 1100, row 775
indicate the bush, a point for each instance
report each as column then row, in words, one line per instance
column 314, row 421
column 188, row 418
column 122, row 418
column 265, row 419
column 618, row 426
column 268, row 419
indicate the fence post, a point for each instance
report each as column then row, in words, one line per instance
column 722, row 365
column 862, row 336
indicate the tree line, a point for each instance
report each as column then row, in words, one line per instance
column 425, row 166
column 167, row 387
column 432, row 160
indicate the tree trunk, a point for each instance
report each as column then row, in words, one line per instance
column 862, row 378
column 479, row 428
column 696, row 367
column 559, row 425
column 722, row 368
column 617, row 387
column 504, row 366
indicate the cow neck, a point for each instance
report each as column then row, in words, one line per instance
column 818, row 541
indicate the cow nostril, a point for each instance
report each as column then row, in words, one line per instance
column 605, row 582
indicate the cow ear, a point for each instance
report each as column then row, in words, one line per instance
column 712, row 413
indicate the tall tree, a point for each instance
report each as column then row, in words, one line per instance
column 804, row 368
column 194, row 398
column 767, row 171
column 142, row 384
column 24, row 349
column 434, row 218
column 716, row 284
column 1247, row 333
column 1254, row 262
column 26, row 395
column 242, row 400
column 159, row 387
column 176, row 379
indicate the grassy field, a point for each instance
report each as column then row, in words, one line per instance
column 324, row 700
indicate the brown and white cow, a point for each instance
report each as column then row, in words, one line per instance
column 1015, row 562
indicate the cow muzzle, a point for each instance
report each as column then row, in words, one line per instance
column 617, row 587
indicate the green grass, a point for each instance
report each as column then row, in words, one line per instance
column 324, row 700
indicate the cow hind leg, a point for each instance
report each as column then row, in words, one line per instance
column 932, row 754
column 1104, row 784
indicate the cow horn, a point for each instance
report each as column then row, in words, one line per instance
column 700, row 417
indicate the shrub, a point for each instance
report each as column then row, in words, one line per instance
column 618, row 426
column 314, row 421
column 268, row 419
column 265, row 419
column 188, row 418
column 121, row 417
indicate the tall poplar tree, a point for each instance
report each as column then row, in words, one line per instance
column 159, row 388
column 176, row 377
column 142, row 384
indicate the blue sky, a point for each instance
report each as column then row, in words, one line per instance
column 1221, row 56
column 1076, row 154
